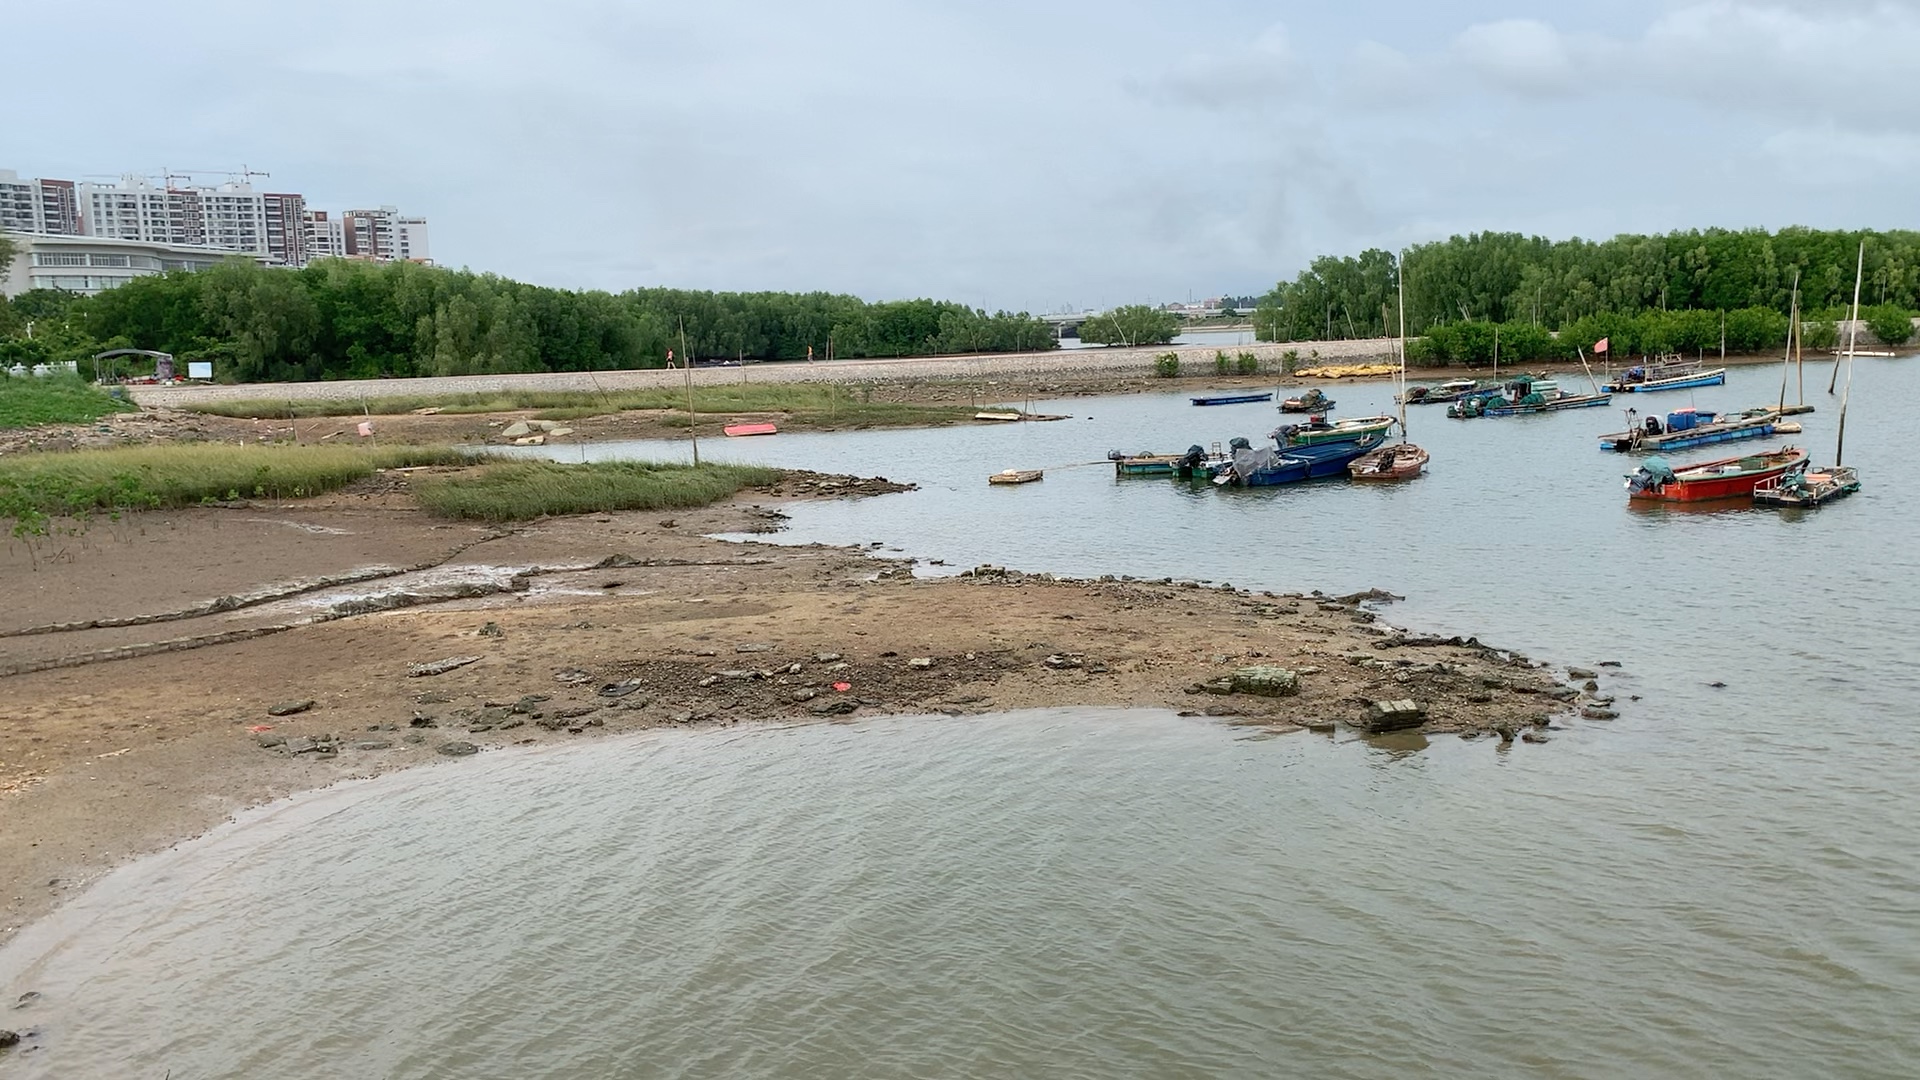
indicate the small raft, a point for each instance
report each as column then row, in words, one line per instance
column 738, row 430
column 1015, row 476
column 1232, row 399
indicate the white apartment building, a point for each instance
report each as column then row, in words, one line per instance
column 93, row 264
column 274, row 227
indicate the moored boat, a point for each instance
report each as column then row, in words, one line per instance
column 1313, row 401
column 1231, row 399
column 1317, row 430
column 1530, row 395
column 1727, row 478
column 1690, row 427
column 1452, row 390
column 1145, row 463
column 1669, row 372
column 738, row 430
column 1270, row 467
column 1807, row 487
column 1400, row 461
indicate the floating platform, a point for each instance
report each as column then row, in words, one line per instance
column 1016, row 476
column 1807, row 487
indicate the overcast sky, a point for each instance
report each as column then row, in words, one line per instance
column 1020, row 155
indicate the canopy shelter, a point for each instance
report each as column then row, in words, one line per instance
column 162, row 362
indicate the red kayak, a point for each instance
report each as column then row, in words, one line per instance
column 1727, row 478
column 737, row 430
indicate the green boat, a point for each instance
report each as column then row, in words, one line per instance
column 1318, row 431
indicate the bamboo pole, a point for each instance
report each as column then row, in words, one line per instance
column 1853, row 334
column 686, row 364
column 1853, row 324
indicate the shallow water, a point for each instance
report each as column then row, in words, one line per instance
column 1720, row 883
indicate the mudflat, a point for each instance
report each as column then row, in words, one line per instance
column 166, row 670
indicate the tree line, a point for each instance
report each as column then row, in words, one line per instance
column 1666, row 293
column 338, row 318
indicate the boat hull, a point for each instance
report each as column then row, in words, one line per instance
column 1402, row 462
column 736, row 431
column 1727, row 478
column 1344, row 432
column 1578, row 401
column 1807, row 488
column 1231, row 399
column 1715, row 377
column 1302, row 463
column 1627, row 442
column 1147, row 465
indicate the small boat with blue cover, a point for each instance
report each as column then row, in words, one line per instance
column 1670, row 372
column 1272, row 466
column 1689, row 427
column 1231, row 399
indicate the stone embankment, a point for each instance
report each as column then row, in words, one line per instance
column 1058, row 364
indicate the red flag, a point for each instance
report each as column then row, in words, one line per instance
column 1600, row 346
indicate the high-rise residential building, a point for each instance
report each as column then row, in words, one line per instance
column 286, row 225
column 273, row 227
column 325, row 236
column 38, row 206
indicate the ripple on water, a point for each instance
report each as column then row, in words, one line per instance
column 1066, row 893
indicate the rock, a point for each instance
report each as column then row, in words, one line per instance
column 374, row 744
column 413, row 738
column 619, row 689
column 457, row 748
column 290, row 708
column 805, row 694
column 439, row 667
column 921, row 662
column 27, row 999
column 1603, row 700
column 837, row 707
column 1480, row 698
column 1393, row 715
column 826, row 657
column 517, row 429
column 1592, row 687
column 492, row 629
column 1609, row 663
column 1597, row 712
column 1582, row 673
column 1062, row 662
column 528, row 703
column 572, row 676
column 1505, row 731
column 268, row 740
column 1264, row 680
column 1718, row 685
column 1532, row 736
column 421, row 720
column 8, row 1038
column 753, row 646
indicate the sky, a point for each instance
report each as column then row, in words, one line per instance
column 1037, row 156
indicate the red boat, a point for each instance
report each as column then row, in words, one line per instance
column 1727, row 478
column 737, row 430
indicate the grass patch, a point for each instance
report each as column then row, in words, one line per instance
column 813, row 402
column 53, row 399
column 520, row 490
column 37, row 488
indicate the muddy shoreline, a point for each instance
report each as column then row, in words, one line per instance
column 595, row 625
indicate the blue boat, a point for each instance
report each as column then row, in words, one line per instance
column 1667, row 373
column 1231, row 399
column 1690, row 427
column 1268, row 467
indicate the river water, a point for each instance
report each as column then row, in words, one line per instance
column 1723, row 882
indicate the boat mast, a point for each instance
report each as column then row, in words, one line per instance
column 1401, row 279
column 1840, row 440
column 1786, row 365
column 1853, row 324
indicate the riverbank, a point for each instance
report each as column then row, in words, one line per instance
column 932, row 392
column 158, row 690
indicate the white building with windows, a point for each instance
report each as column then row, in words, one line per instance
column 94, row 264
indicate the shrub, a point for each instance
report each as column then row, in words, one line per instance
column 1891, row 323
column 1221, row 365
column 1289, row 360
column 1166, row 366
column 1247, row 364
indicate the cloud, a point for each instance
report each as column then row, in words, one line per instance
column 1257, row 76
column 1522, row 55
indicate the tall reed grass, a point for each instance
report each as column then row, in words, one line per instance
column 521, row 490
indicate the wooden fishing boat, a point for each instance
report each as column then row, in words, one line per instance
column 1313, row 401
column 1400, row 461
column 1231, row 399
column 1143, row 464
column 1690, row 427
column 1810, row 487
column 1669, row 372
column 1530, row 395
column 1317, row 430
column 1727, row 478
column 1452, row 390
column 1015, row 476
column 740, row 430
column 1002, row 416
column 1807, row 487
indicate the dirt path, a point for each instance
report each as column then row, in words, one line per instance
column 104, row 760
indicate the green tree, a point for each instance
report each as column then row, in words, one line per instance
column 1891, row 323
column 1134, row 324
